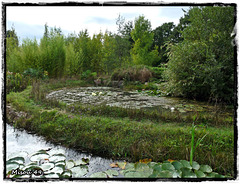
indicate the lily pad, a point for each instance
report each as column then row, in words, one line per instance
column 23, row 154
column 133, row 174
column 39, row 156
column 168, row 166
column 99, row 175
column 188, row 173
column 111, row 173
column 195, row 165
column 78, row 171
column 12, row 165
column 186, row 164
column 167, row 174
column 19, row 160
column 67, row 174
column 58, row 151
column 57, row 170
column 52, row 175
column 70, row 164
column 47, row 166
column 177, row 165
column 200, row 174
column 57, row 158
column 205, row 168
column 81, row 162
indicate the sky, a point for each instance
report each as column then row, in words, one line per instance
column 29, row 21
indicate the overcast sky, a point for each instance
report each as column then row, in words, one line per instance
column 29, row 21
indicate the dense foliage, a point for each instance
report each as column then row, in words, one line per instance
column 202, row 65
column 198, row 52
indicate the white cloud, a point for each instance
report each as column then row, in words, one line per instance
column 93, row 18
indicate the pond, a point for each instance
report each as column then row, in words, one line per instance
column 22, row 141
column 129, row 99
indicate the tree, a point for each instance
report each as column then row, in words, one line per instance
column 52, row 52
column 202, row 65
column 162, row 35
column 142, row 36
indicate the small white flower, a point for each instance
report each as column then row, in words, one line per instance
column 94, row 94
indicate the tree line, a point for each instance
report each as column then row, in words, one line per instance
column 198, row 51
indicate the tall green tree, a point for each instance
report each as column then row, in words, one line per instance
column 202, row 65
column 142, row 36
column 162, row 35
column 52, row 52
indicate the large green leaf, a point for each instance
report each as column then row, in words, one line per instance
column 47, row 166
column 177, row 165
column 57, row 158
column 195, row 165
column 99, row 175
column 111, row 173
column 78, row 172
column 19, row 160
column 23, row 154
column 70, row 164
column 205, row 168
column 200, row 174
column 39, row 156
column 188, row 173
column 186, row 164
column 168, row 166
column 11, row 165
column 167, row 174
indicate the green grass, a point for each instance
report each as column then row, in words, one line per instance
column 122, row 136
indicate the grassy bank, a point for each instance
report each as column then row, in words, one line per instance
column 117, row 136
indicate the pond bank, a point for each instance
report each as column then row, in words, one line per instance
column 128, row 139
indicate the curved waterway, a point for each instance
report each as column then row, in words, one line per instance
column 20, row 140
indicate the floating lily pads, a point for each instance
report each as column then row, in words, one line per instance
column 19, row 160
column 168, row 166
column 78, row 172
column 47, row 166
column 23, row 154
column 11, row 165
column 206, row 168
column 99, row 175
column 39, row 156
column 66, row 174
column 70, row 164
column 111, row 173
column 57, row 158
column 186, row 164
column 55, row 152
column 200, row 174
column 178, row 165
column 82, row 162
column 195, row 165
column 188, row 173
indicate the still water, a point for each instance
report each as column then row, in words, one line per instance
column 20, row 140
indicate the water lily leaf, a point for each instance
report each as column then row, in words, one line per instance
column 206, row 168
column 55, row 152
column 66, row 174
column 177, row 165
column 195, row 165
column 19, row 160
column 200, row 174
column 111, row 173
column 57, row 158
column 130, row 167
column 99, row 175
column 52, row 175
column 152, row 164
column 78, row 171
column 168, row 166
column 133, row 174
column 57, row 170
column 12, row 165
column 47, row 166
column 188, row 173
column 81, row 162
column 39, row 156
column 60, row 164
column 166, row 174
column 186, row 164
column 141, row 167
column 70, row 164
column 23, row 154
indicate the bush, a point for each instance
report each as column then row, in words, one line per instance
column 134, row 73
